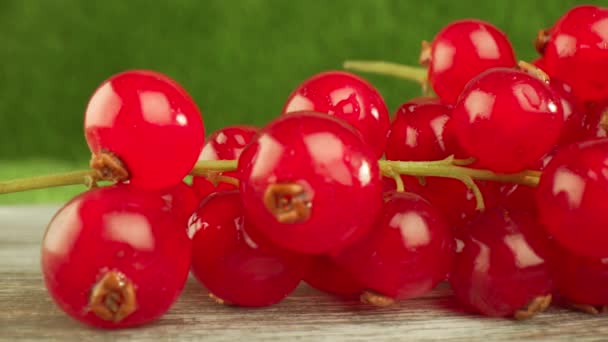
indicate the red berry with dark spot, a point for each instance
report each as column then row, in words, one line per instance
column 115, row 257
column 347, row 97
column 146, row 122
column 237, row 265
column 462, row 50
column 507, row 120
column 310, row 183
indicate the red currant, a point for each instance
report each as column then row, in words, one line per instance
column 501, row 269
column 521, row 197
column 507, row 120
column 224, row 144
column 595, row 123
column 143, row 126
column 348, row 97
column 571, row 198
column 573, row 130
column 422, row 130
column 305, row 179
column 460, row 51
column 182, row 200
column 114, row 257
column 237, row 266
column 575, row 51
column 326, row 275
column 582, row 281
column 407, row 254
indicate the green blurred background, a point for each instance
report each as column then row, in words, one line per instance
column 239, row 59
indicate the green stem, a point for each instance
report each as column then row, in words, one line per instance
column 204, row 166
column 407, row 72
column 82, row 177
column 87, row 177
column 448, row 167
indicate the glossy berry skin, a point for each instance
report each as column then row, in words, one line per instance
column 522, row 198
column 571, row 198
column 462, row 50
column 452, row 198
column 233, row 262
column 581, row 280
column 577, row 51
column 347, row 97
column 335, row 171
column 326, row 275
column 150, row 123
column 595, row 123
column 182, row 201
column 572, row 108
column 224, row 144
column 422, row 131
column 574, row 113
column 502, row 263
column 407, row 254
column 115, row 230
column 507, row 120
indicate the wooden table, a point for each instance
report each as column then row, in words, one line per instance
column 28, row 313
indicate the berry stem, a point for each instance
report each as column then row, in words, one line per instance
column 203, row 167
column 449, row 167
column 90, row 177
column 84, row 177
column 407, row 72
column 456, row 169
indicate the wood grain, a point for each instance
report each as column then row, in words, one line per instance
column 29, row 314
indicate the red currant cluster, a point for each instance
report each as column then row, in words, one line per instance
column 309, row 197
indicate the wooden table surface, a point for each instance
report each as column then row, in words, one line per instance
column 28, row 313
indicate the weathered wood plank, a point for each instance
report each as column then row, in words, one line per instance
column 28, row 313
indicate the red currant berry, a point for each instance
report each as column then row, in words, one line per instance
column 595, row 123
column 347, row 97
column 573, row 130
column 452, row 198
column 114, row 257
column 507, row 120
column 580, row 280
column 239, row 268
column 407, row 254
column 460, row 51
column 224, row 144
column 501, row 268
column 521, row 197
column 143, row 126
column 420, row 131
column 575, row 51
column 305, row 180
column 571, row 198
column 326, row 275
column 182, row 200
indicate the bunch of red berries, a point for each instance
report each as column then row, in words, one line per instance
column 309, row 197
